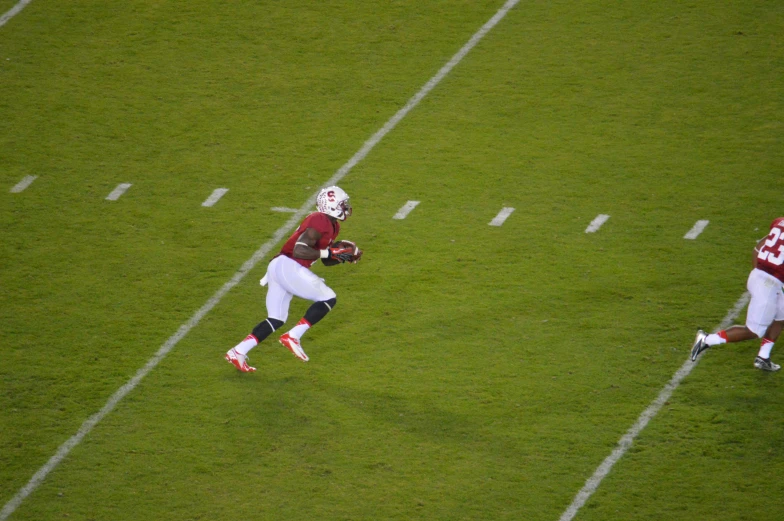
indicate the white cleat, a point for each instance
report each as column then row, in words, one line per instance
column 293, row 345
column 239, row 361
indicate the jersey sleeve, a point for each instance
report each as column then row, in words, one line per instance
column 321, row 223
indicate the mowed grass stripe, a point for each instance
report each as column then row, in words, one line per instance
column 91, row 422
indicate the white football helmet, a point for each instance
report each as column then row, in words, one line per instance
column 333, row 201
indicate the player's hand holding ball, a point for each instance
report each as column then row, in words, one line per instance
column 350, row 248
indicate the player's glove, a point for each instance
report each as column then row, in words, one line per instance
column 341, row 253
column 356, row 253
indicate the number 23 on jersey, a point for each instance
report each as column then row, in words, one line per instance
column 773, row 249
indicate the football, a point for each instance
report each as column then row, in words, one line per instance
column 357, row 253
column 346, row 244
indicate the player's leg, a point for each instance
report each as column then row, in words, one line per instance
column 771, row 335
column 278, row 301
column 761, row 312
column 305, row 284
column 314, row 314
column 730, row 335
column 758, row 317
column 774, row 330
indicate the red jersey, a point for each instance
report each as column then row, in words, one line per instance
column 320, row 222
column 770, row 258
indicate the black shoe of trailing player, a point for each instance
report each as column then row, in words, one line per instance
column 699, row 345
column 765, row 364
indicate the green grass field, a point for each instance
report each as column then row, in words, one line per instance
column 469, row 372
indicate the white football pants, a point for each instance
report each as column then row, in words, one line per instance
column 767, row 301
column 287, row 278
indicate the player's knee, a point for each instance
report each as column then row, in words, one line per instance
column 331, row 302
column 275, row 323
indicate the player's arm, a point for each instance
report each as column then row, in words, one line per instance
column 305, row 248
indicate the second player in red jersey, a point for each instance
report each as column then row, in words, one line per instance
column 765, row 316
column 770, row 251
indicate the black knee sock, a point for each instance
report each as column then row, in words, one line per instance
column 319, row 310
column 265, row 328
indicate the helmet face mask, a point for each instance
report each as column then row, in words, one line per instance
column 334, row 202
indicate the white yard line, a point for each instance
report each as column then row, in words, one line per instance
column 501, row 217
column 283, row 209
column 117, row 192
column 24, row 183
column 405, row 210
column 597, row 223
column 14, row 11
column 698, row 228
column 647, row 415
column 215, row 196
column 265, row 248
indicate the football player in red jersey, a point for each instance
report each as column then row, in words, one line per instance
column 765, row 316
column 289, row 275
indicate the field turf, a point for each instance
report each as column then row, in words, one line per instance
column 468, row 372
